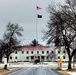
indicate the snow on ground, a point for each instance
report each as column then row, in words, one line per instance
column 64, row 67
column 72, row 73
column 28, row 64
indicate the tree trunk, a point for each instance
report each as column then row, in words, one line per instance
column 5, row 66
column 1, row 56
column 7, row 58
column 69, row 62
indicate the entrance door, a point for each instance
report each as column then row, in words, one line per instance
column 39, row 58
column 42, row 58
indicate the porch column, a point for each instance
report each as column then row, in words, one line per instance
column 45, row 58
column 29, row 58
column 40, row 58
column 34, row 58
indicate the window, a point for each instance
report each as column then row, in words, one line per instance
column 27, row 57
column 32, row 57
column 31, row 52
column 15, row 52
column 42, row 57
column 47, row 57
column 58, row 51
column 15, row 57
column 10, row 57
column 27, row 52
column 58, row 57
column 37, row 52
column 63, row 57
column 42, row 52
column 63, row 51
column 22, row 52
column 47, row 52
column 51, row 51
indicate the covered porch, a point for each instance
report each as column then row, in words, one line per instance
column 39, row 57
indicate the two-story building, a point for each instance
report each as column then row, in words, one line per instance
column 42, row 53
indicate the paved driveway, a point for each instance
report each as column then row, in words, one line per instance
column 35, row 71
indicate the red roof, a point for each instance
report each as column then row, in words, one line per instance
column 37, row 47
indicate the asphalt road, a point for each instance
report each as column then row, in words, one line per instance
column 35, row 71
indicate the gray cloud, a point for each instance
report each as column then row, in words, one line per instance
column 24, row 13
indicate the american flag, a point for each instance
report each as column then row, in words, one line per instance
column 38, row 8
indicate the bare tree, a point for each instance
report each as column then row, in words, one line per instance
column 2, row 43
column 62, row 27
column 10, row 41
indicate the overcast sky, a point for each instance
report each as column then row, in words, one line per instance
column 24, row 13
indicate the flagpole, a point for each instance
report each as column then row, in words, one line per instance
column 36, row 27
column 37, row 16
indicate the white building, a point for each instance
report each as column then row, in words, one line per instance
column 43, row 53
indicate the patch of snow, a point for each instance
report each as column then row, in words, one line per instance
column 72, row 73
column 64, row 68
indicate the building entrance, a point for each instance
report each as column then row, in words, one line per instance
column 37, row 59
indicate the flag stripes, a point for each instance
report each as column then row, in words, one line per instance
column 38, row 8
